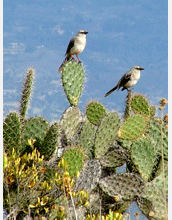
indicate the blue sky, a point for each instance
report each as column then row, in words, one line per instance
column 121, row 34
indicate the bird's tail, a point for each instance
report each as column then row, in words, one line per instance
column 108, row 93
column 64, row 62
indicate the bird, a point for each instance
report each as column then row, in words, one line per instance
column 76, row 46
column 128, row 80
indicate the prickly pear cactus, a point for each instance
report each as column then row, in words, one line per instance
column 133, row 127
column 106, row 133
column 158, row 133
column 26, row 93
column 73, row 80
column 12, row 132
column 140, row 105
column 75, row 158
column 161, row 180
column 95, row 111
column 115, row 157
column 153, row 203
column 86, row 138
column 143, row 155
column 124, row 185
column 34, row 128
column 50, row 142
column 70, row 123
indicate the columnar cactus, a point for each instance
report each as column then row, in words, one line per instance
column 26, row 93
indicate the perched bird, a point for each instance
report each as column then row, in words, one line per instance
column 128, row 80
column 75, row 47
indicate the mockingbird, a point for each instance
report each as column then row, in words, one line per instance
column 76, row 46
column 128, row 80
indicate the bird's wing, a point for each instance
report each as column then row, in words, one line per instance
column 124, row 79
column 70, row 45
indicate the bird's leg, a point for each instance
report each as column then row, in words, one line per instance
column 79, row 61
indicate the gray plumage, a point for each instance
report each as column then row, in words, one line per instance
column 76, row 46
column 128, row 80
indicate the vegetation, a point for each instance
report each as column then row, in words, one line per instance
column 40, row 182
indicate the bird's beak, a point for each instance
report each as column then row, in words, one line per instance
column 141, row 68
column 86, row 32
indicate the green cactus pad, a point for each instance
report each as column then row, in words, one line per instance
column 12, row 132
column 50, row 142
column 161, row 181
column 34, row 128
column 106, row 133
column 27, row 89
column 140, row 105
column 75, row 158
column 133, row 127
column 158, row 133
column 153, row 203
column 86, row 138
column 125, row 185
column 70, row 122
column 115, row 157
column 95, row 112
column 143, row 155
column 73, row 80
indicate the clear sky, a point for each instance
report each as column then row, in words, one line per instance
column 121, row 34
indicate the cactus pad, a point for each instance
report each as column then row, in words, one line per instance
column 124, row 185
column 133, row 127
column 34, row 128
column 106, row 133
column 95, row 111
column 70, row 122
column 86, row 137
column 12, row 132
column 115, row 157
column 73, row 80
column 75, row 158
column 153, row 203
column 140, row 105
column 143, row 155
column 50, row 141
column 158, row 133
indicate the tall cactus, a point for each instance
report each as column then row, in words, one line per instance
column 26, row 93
